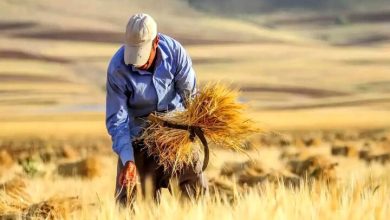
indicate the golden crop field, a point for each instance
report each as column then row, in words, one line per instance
column 320, row 91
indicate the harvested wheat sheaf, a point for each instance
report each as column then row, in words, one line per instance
column 253, row 172
column 13, row 197
column 314, row 167
column 6, row 162
column 215, row 110
column 54, row 208
column 15, row 203
column 6, row 159
column 89, row 167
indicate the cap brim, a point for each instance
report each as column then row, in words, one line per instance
column 137, row 55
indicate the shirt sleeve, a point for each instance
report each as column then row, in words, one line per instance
column 185, row 79
column 117, row 120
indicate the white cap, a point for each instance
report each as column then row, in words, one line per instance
column 141, row 30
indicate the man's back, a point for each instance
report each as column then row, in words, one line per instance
column 151, row 72
column 133, row 93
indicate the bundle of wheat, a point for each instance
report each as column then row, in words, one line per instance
column 254, row 167
column 284, row 177
column 6, row 162
column 314, row 167
column 69, row 152
column 15, row 202
column 13, row 197
column 214, row 110
column 253, row 172
column 89, row 167
column 6, row 159
column 383, row 158
column 54, row 208
column 347, row 151
column 224, row 189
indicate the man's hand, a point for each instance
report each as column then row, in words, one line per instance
column 128, row 175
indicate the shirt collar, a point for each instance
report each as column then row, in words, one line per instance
column 164, row 56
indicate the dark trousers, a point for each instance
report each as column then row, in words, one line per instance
column 192, row 182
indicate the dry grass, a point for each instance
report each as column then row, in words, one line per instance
column 14, row 196
column 215, row 110
column 54, row 208
column 269, row 201
column 15, row 202
column 279, row 202
column 239, row 188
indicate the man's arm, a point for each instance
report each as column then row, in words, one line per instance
column 185, row 79
column 117, row 119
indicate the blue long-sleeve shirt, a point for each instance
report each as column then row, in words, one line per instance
column 133, row 93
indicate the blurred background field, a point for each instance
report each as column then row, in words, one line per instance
column 315, row 74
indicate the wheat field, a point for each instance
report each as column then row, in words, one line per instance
column 316, row 83
column 301, row 175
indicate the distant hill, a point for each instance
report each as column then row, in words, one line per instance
column 104, row 21
column 337, row 22
column 256, row 6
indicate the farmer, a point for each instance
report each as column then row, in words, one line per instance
column 151, row 73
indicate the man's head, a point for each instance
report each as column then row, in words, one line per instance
column 140, row 39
